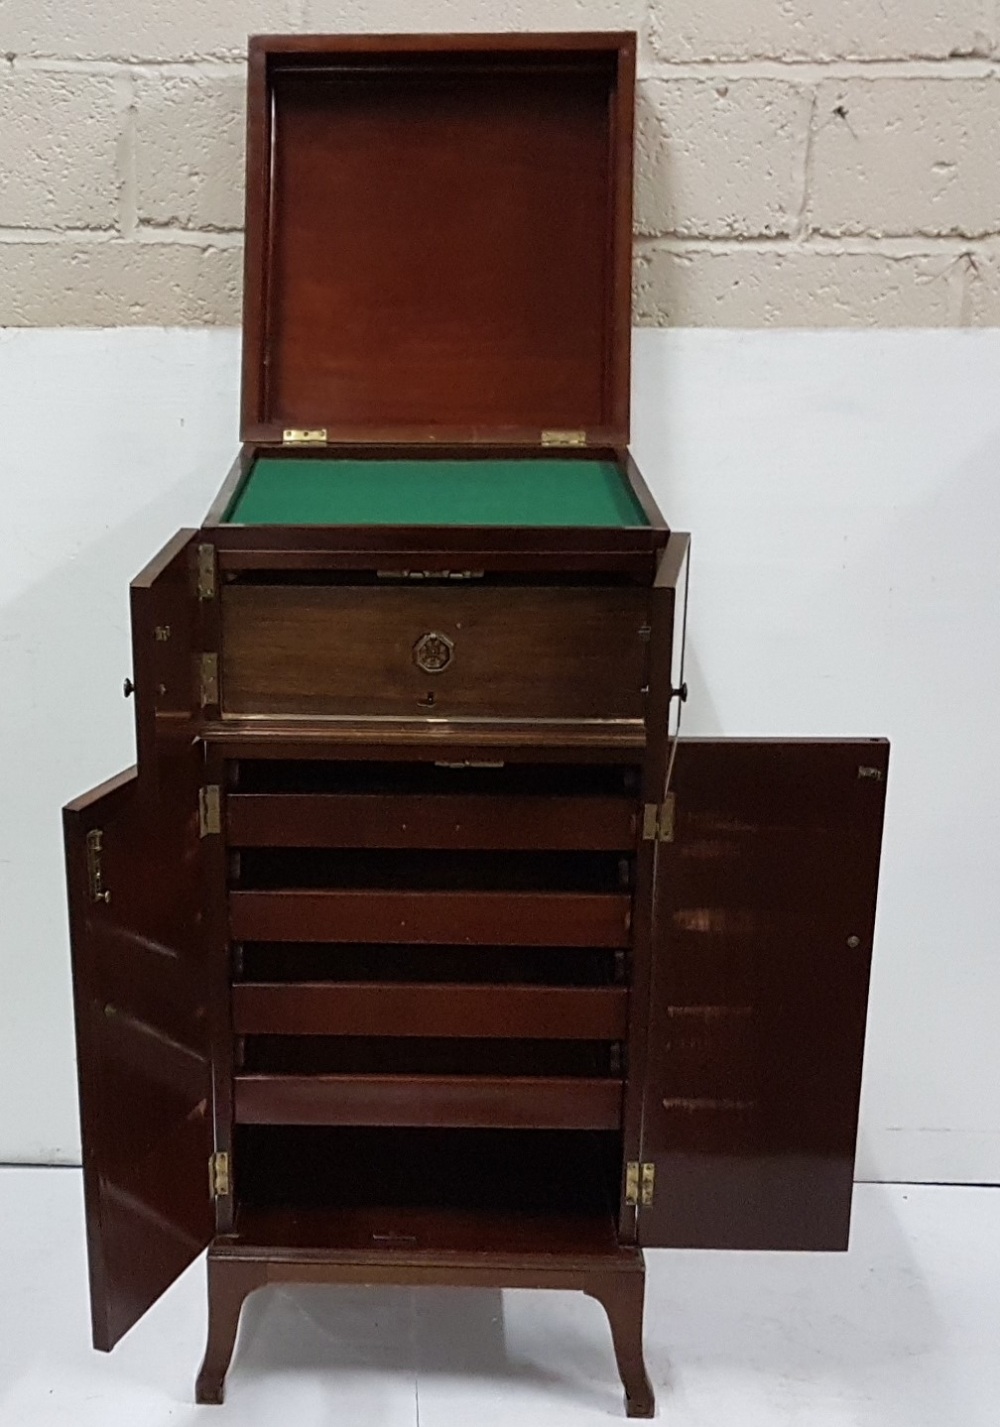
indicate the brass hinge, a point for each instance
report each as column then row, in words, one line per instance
column 218, row 1174
column 640, row 1183
column 95, row 874
column 658, row 820
column 208, row 680
column 206, row 572
column 209, row 810
column 304, row 436
column 564, row 438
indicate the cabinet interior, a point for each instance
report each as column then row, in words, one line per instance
column 392, row 1187
column 416, row 1077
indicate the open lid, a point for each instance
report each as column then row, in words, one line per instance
column 438, row 241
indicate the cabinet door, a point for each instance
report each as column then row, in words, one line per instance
column 142, row 1042
column 764, row 910
column 164, row 609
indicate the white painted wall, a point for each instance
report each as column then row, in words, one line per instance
column 842, row 489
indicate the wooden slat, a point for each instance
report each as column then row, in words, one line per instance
column 539, row 1102
column 379, row 1009
column 434, row 821
column 444, row 918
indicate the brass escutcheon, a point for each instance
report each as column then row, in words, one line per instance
column 432, row 652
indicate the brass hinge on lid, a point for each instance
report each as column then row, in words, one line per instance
column 206, row 572
column 208, row 680
column 640, row 1183
column 303, row 436
column 564, row 438
column 209, row 810
column 218, row 1174
column 95, row 874
column 658, row 820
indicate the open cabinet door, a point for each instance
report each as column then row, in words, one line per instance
column 764, row 911
column 143, row 1052
column 165, row 609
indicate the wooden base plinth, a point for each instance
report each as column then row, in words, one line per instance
column 617, row 1281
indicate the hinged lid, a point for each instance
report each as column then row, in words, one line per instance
column 438, row 241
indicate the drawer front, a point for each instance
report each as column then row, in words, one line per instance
column 441, row 918
column 431, row 821
column 444, row 652
column 545, row 1103
column 414, row 1009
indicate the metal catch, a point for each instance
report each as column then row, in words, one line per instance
column 95, row 872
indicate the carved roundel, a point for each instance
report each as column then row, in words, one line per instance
column 432, row 652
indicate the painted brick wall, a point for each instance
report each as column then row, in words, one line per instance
column 800, row 162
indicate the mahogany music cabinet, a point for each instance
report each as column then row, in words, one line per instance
column 417, row 949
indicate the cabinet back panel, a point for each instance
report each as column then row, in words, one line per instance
column 418, row 869
column 557, row 1172
column 532, row 965
column 423, row 1056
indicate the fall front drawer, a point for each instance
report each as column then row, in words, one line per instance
column 461, row 651
column 445, row 918
column 511, row 1102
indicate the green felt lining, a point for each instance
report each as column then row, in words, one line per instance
column 283, row 491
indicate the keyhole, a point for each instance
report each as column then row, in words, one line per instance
column 427, row 703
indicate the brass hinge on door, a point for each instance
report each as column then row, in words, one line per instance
column 208, row 680
column 658, row 820
column 564, row 438
column 640, row 1183
column 218, row 1174
column 303, row 436
column 209, row 810
column 205, row 577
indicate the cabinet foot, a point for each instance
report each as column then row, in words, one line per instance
column 622, row 1296
column 228, row 1286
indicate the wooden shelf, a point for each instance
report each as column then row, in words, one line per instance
column 473, row 918
column 416, row 1009
column 429, row 821
column 498, row 1102
column 416, row 1232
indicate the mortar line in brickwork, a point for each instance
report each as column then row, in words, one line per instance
column 224, row 69
column 172, row 233
column 806, row 71
column 802, row 69
column 801, row 225
column 916, row 246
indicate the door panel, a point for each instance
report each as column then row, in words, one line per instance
column 164, row 612
column 142, row 1039
column 764, row 910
